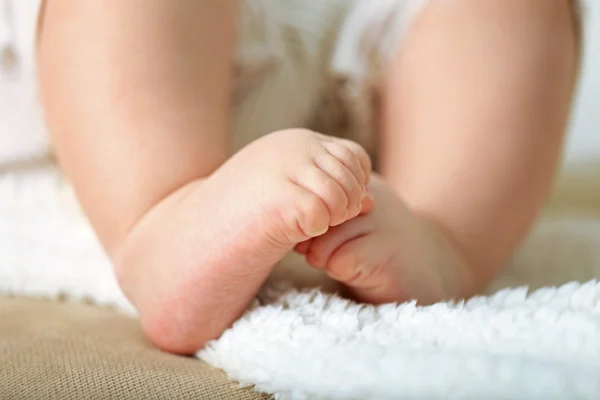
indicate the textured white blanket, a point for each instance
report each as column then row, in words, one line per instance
column 305, row 344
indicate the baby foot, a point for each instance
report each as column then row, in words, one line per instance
column 228, row 231
column 387, row 255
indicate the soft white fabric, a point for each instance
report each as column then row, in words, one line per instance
column 307, row 344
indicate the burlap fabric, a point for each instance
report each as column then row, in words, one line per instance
column 54, row 350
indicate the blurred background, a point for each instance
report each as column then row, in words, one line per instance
column 22, row 134
column 579, row 184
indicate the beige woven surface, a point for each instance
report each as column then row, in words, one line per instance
column 52, row 350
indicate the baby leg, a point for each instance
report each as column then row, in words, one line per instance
column 476, row 108
column 137, row 95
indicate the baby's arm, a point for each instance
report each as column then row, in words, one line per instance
column 476, row 111
column 137, row 98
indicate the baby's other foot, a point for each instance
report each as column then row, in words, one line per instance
column 388, row 255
